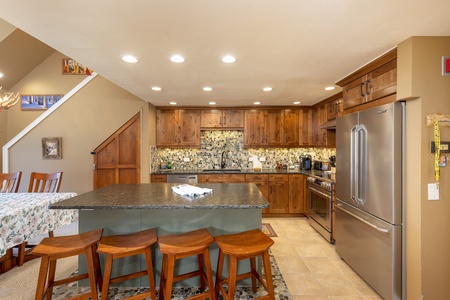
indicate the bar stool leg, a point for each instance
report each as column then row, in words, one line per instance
column 219, row 270
column 92, row 272
column 107, row 276
column 232, row 273
column 209, row 276
column 42, row 278
column 150, row 276
column 253, row 271
column 200, row 267
column 268, row 273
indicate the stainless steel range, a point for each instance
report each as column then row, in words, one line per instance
column 321, row 197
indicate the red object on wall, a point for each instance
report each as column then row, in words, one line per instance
column 446, row 65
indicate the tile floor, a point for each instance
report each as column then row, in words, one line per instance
column 311, row 267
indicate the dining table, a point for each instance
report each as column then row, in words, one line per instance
column 24, row 216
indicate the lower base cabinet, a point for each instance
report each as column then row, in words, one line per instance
column 279, row 194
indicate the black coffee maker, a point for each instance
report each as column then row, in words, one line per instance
column 305, row 162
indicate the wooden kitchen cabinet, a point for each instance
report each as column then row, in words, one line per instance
column 305, row 121
column 178, row 128
column 279, row 193
column 158, row 178
column 297, row 193
column 322, row 137
column 334, row 108
column 221, row 178
column 271, row 127
column 222, row 118
column 374, row 81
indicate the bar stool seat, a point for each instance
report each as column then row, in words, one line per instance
column 178, row 246
column 245, row 245
column 119, row 246
column 53, row 248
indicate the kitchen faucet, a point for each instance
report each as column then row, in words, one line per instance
column 223, row 160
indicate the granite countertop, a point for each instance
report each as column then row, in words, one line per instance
column 160, row 196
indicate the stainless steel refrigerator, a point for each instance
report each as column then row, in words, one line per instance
column 369, row 194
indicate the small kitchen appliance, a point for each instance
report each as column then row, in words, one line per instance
column 305, row 162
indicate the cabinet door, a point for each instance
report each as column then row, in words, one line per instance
column 233, row 118
column 167, row 129
column 221, row 178
column 211, row 118
column 262, row 182
column 189, row 122
column 254, row 128
column 305, row 127
column 279, row 194
column 274, row 125
column 334, row 109
column 383, row 81
column 296, row 193
column 291, row 127
column 354, row 93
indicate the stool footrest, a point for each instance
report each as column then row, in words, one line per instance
column 70, row 279
column 128, row 276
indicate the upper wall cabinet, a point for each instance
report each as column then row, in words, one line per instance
column 178, row 128
column 222, row 119
column 271, row 127
column 374, row 81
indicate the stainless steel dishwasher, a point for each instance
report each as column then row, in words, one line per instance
column 180, row 178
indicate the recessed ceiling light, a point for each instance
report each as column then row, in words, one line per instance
column 1, row 75
column 297, row 102
column 212, row 103
column 257, row 103
column 329, row 88
column 177, row 58
column 172, row 103
column 228, row 59
column 267, row 89
column 207, row 89
column 156, row 88
column 129, row 59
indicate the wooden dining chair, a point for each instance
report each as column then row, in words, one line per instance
column 10, row 182
column 39, row 183
column 45, row 182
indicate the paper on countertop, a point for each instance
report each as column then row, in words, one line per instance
column 190, row 191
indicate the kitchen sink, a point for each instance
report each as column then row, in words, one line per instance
column 221, row 170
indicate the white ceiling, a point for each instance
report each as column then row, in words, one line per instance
column 298, row 47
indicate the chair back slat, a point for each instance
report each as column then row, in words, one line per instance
column 10, row 182
column 45, row 182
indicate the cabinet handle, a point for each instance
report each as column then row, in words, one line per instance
column 285, row 138
column 221, row 121
column 361, row 89
column 367, row 87
column 224, row 120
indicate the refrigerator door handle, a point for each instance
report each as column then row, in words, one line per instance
column 379, row 229
column 361, row 160
column 353, row 162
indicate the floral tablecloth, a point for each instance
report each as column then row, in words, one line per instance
column 24, row 216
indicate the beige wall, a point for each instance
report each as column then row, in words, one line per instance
column 83, row 122
column 428, row 245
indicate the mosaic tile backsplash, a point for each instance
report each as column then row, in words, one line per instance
column 214, row 142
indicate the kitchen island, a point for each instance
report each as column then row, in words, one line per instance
column 125, row 208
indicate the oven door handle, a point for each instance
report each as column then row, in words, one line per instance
column 319, row 192
column 383, row 230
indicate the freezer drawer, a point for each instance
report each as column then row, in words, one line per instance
column 372, row 248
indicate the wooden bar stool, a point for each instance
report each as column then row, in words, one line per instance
column 119, row 246
column 178, row 246
column 239, row 246
column 53, row 248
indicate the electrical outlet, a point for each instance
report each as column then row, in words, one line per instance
column 187, row 159
column 262, row 159
column 433, row 191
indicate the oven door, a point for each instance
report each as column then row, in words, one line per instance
column 320, row 206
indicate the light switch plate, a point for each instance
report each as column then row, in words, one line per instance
column 262, row 159
column 433, row 191
column 186, row 159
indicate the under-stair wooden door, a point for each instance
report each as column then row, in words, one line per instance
column 117, row 160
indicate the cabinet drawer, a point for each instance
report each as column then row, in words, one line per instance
column 279, row 177
column 158, row 178
column 256, row 177
column 221, row 178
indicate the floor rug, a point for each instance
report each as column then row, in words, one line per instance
column 268, row 230
column 242, row 293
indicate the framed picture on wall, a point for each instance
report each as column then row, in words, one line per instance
column 51, row 148
column 72, row 67
column 38, row 102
